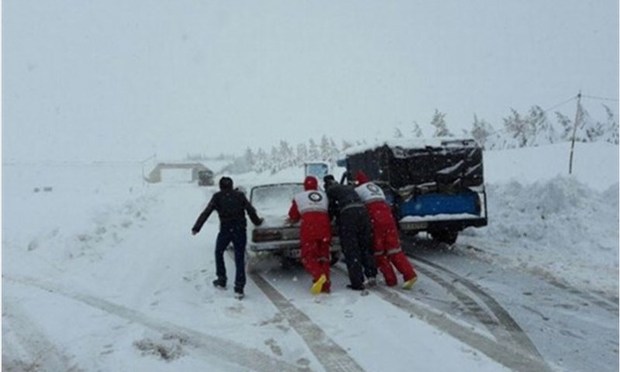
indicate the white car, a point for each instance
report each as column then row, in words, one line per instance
column 275, row 236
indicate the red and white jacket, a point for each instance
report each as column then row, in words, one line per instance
column 311, row 208
column 374, row 199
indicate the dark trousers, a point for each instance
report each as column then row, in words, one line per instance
column 235, row 234
column 355, row 232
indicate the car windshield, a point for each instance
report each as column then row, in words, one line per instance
column 276, row 198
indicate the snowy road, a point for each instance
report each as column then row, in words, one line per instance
column 506, row 342
column 570, row 328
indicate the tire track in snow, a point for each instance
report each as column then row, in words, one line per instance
column 502, row 325
column 329, row 353
column 599, row 299
column 42, row 354
column 212, row 346
column 514, row 358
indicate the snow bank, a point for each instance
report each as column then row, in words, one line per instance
column 559, row 228
column 550, row 223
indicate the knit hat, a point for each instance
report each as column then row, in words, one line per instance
column 311, row 183
column 361, row 177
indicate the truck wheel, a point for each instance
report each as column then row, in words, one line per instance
column 445, row 236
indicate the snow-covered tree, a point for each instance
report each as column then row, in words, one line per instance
column 302, row 153
column 346, row 144
column 611, row 127
column 249, row 158
column 543, row 131
column 286, row 155
column 439, row 123
column 517, row 128
column 480, row 131
column 274, row 159
column 583, row 129
column 335, row 151
column 313, row 150
column 262, row 161
column 566, row 126
column 325, row 148
column 581, row 124
column 398, row 133
column 595, row 131
column 417, row 131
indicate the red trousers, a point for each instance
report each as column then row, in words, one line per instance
column 315, row 258
column 386, row 245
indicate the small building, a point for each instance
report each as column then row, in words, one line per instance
column 199, row 172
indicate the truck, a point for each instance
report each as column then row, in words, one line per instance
column 433, row 186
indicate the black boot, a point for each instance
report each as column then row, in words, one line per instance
column 356, row 288
column 219, row 284
column 363, row 291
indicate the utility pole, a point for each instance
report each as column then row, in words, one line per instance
column 572, row 146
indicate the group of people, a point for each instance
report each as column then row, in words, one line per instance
column 366, row 228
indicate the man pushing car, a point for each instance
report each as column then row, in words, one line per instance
column 311, row 208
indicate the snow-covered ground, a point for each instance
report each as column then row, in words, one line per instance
column 100, row 272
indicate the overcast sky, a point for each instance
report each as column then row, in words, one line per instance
column 118, row 79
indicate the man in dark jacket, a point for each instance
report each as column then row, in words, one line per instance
column 231, row 206
column 354, row 231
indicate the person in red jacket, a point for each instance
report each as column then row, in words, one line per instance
column 311, row 208
column 386, row 242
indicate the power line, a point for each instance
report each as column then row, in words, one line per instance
column 561, row 103
column 601, row 98
column 545, row 111
column 500, row 130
